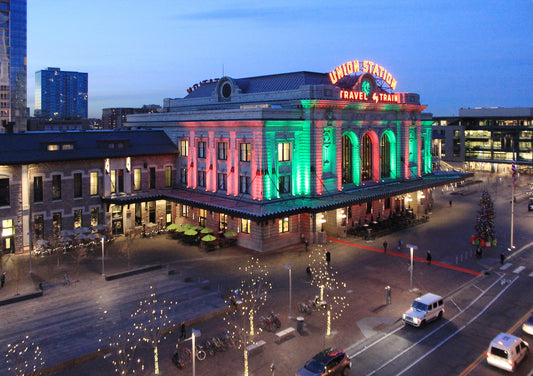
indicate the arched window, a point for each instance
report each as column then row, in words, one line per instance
column 366, row 158
column 384, row 152
column 347, row 160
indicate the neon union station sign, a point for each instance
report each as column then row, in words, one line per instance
column 365, row 66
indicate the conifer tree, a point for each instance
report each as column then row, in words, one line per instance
column 485, row 218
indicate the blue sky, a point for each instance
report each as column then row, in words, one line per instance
column 454, row 54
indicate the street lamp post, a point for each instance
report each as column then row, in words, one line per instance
column 411, row 248
column 195, row 333
column 287, row 266
column 103, row 266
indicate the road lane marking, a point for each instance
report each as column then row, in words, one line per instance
column 531, row 274
column 506, row 266
column 430, row 333
column 519, row 269
column 455, row 304
column 460, row 329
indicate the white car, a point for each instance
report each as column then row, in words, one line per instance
column 528, row 325
column 506, row 351
column 424, row 309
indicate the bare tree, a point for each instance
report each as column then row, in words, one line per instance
column 123, row 349
column 78, row 254
column 24, row 358
column 151, row 320
column 250, row 299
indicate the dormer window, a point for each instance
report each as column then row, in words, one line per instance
column 57, row 147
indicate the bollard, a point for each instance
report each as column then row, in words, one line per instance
column 387, row 295
column 300, row 324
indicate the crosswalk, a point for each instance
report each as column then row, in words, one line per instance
column 516, row 270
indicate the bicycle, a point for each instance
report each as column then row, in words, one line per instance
column 270, row 323
column 182, row 356
column 304, row 308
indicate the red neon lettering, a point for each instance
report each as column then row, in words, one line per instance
column 339, row 72
column 349, row 67
column 344, row 69
column 365, row 66
column 393, row 84
column 388, row 78
column 356, row 65
column 375, row 72
column 333, row 77
column 382, row 72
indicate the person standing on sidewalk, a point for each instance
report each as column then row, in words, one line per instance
column 428, row 257
column 67, row 281
column 502, row 258
column 2, row 279
column 183, row 331
column 400, row 245
column 385, row 244
column 328, row 257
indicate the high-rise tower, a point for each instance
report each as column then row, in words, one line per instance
column 61, row 94
column 13, row 76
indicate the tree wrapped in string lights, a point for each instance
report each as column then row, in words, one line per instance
column 24, row 358
column 484, row 228
column 251, row 297
column 122, row 348
column 152, row 321
column 331, row 298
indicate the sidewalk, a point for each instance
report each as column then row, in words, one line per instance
column 364, row 268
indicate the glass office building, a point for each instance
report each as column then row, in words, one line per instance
column 13, row 76
column 61, row 94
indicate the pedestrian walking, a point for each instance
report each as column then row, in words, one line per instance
column 502, row 258
column 67, row 281
column 428, row 257
column 328, row 257
column 3, row 279
column 450, row 203
column 308, row 271
column 400, row 242
column 272, row 368
column 183, row 331
column 385, row 244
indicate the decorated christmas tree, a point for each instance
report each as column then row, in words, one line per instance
column 485, row 235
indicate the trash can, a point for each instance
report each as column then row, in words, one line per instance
column 300, row 324
column 387, row 295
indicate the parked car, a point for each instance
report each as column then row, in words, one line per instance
column 530, row 204
column 506, row 351
column 528, row 325
column 327, row 362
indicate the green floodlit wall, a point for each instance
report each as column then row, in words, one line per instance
column 298, row 134
column 426, row 157
column 393, row 152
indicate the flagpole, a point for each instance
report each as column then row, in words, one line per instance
column 514, row 173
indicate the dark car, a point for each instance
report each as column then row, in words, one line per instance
column 327, row 362
column 530, row 204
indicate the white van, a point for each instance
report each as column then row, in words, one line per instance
column 424, row 309
column 506, row 351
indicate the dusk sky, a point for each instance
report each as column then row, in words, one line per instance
column 453, row 53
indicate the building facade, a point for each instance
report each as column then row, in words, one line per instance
column 13, row 73
column 488, row 139
column 54, row 181
column 296, row 156
column 61, row 94
column 116, row 117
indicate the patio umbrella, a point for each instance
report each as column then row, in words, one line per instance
column 191, row 232
column 82, row 237
column 173, row 226
column 99, row 227
column 209, row 238
column 82, row 230
column 65, row 233
column 184, row 227
column 230, row 234
column 93, row 236
column 206, row 230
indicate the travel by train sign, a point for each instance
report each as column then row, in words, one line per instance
column 364, row 81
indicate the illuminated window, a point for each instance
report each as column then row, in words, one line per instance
column 366, row 158
column 94, row 216
column 285, row 184
column 94, row 183
column 347, row 160
column 37, row 189
column 53, row 147
column 222, row 151
column 201, row 149
column 168, row 211
column 184, row 210
column 56, row 222
column 184, row 148
column 113, row 177
column 284, row 152
column 137, row 185
column 202, row 219
column 222, row 222
column 38, row 226
column 245, row 226
column 283, row 225
column 245, row 152
column 77, row 218
column 221, row 181
column 78, row 192
column 168, row 176
column 67, row 147
column 385, row 156
column 56, row 187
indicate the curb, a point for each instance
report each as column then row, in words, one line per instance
column 20, row 298
column 129, row 273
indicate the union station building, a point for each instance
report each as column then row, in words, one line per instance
column 278, row 159
column 298, row 156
